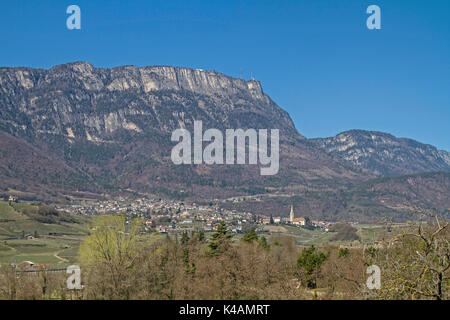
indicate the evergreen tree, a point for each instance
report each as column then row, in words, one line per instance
column 184, row 238
column 219, row 239
column 263, row 243
column 310, row 260
column 343, row 252
column 201, row 236
column 250, row 235
column 307, row 221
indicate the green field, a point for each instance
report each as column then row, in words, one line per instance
column 368, row 233
column 305, row 237
column 58, row 240
column 56, row 243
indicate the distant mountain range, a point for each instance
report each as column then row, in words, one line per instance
column 77, row 131
column 384, row 154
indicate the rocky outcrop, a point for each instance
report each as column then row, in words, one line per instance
column 383, row 153
column 79, row 101
column 76, row 130
column 114, row 125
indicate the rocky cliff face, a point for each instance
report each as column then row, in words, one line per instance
column 114, row 125
column 77, row 130
column 385, row 154
column 79, row 101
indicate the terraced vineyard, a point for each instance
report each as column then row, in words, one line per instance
column 33, row 232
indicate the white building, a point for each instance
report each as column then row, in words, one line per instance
column 296, row 221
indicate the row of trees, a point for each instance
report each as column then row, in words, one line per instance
column 118, row 261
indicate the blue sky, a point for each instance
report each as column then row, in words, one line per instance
column 316, row 59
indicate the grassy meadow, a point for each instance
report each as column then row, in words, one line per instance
column 24, row 236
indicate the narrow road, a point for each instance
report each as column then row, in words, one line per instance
column 59, row 258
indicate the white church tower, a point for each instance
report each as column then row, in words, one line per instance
column 291, row 216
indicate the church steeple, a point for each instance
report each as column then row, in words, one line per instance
column 291, row 215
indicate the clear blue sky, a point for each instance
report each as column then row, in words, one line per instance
column 315, row 58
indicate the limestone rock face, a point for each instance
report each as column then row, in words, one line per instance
column 385, row 154
column 92, row 132
column 114, row 126
column 93, row 103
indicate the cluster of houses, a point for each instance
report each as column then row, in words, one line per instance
column 170, row 216
column 29, row 266
column 174, row 217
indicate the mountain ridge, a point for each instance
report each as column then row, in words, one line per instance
column 110, row 129
column 115, row 125
column 383, row 153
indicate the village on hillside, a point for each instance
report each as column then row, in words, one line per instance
column 173, row 217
